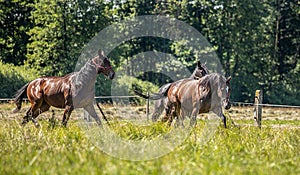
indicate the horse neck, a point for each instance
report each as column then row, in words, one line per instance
column 215, row 82
column 87, row 75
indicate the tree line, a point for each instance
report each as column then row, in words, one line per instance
column 257, row 41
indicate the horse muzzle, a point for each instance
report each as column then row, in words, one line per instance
column 111, row 74
column 228, row 105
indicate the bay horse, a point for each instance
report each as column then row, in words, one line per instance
column 161, row 96
column 193, row 97
column 189, row 97
column 74, row 90
column 161, row 104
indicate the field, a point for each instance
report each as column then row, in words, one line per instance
column 53, row 149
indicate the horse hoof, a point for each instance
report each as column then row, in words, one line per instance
column 15, row 110
column 37, row 125
column 228, row 107
column 24, row 122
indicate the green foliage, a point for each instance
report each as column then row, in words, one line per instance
column 61, row 29
column 14, row 77
column 15, row 23
column 125, row 85
column 256, row 40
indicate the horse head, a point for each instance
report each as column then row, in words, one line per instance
column 222, row 85
column 200, row 71
column 103, row 65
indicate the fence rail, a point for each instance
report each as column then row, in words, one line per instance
column 129, row 96
column 257, row 104
column 135, row 96
column 266, row 105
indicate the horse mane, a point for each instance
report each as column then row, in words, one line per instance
column 205, row 68
column 202, row 68
column 208, row 80
column 204, row 81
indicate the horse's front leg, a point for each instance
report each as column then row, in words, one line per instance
column 67, row 113
column 195, row 111
column 194, row 117
column 219, row 112
column 224, row 120
column 180, row 115
column 91, row 110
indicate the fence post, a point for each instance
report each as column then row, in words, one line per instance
column 147, row 107
column 258, row 107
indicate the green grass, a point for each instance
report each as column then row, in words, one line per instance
column 58, row 150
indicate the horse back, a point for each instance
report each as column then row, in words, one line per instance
column 194, row 93
column 180, row 89
column 52, row 90
column 188, row 91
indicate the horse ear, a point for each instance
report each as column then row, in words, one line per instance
column 101, row 53
column 228, row 79
column 199, row 64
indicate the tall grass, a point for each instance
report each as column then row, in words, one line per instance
column 58, row 150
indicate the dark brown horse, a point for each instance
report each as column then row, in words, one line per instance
column 161, row 104
column 192, row 97
column 189, row 97
column 74, row 90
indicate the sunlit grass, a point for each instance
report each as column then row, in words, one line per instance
column 236, row 150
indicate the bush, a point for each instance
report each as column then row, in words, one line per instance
column 13, row 78
column 123, row 87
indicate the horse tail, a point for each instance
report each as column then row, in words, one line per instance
column 163, row 91
column 19, row 96
column 154, row 96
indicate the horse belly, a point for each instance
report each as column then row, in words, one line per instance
column 56, row 100
column 55, row 92
column 187, row 104
column 83, row 100
column 204, row 107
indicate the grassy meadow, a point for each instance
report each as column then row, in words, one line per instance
column 53, row 149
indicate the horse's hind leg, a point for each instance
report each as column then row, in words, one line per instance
column 169, row 113
column 26, row 117
column 32, row 113
column 168, row 117
column 44, row 107
column 29, row 116
column 159, row 107
column 67, row 113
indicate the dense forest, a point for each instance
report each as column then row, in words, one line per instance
column 257, row 41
